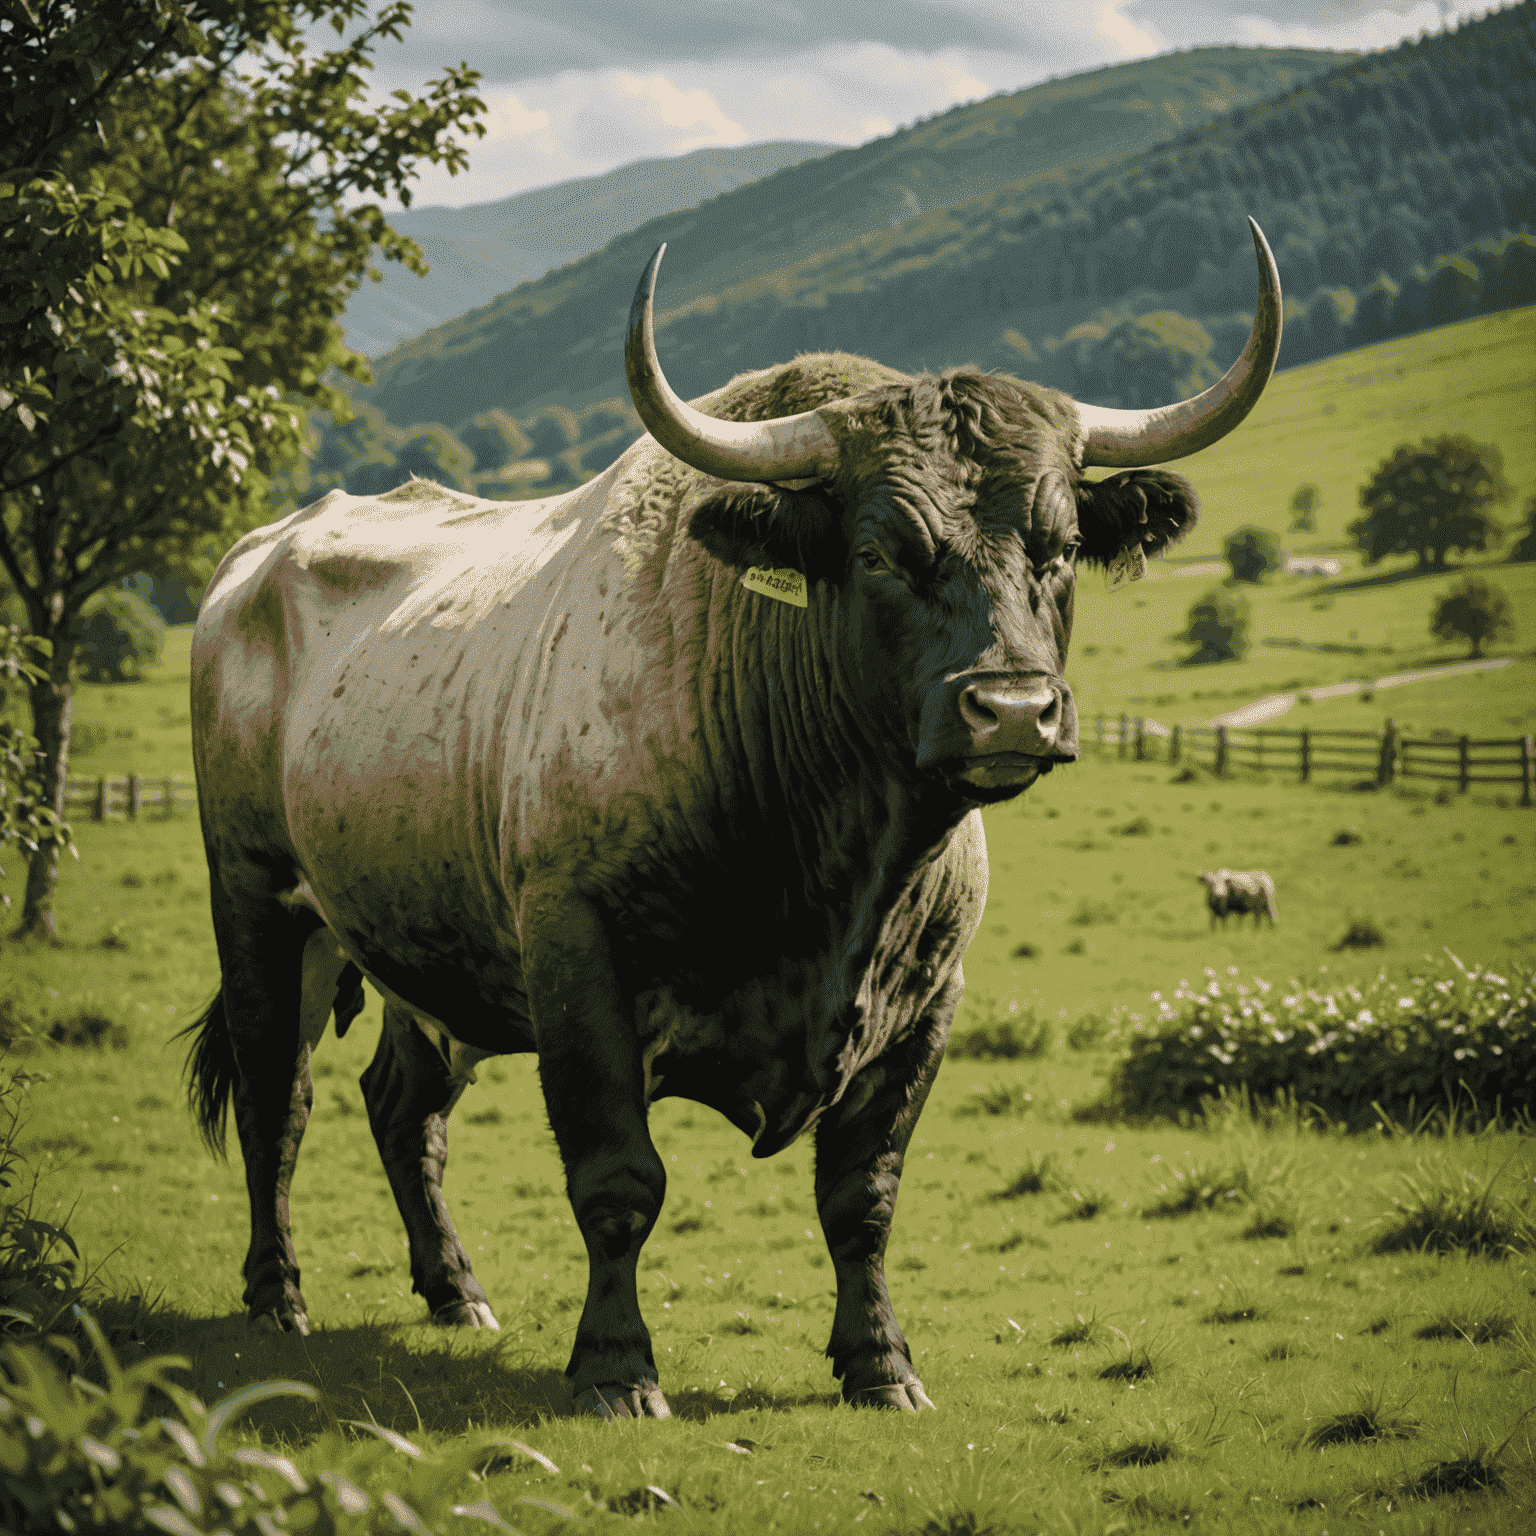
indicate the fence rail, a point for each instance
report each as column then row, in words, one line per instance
column 1386, row 754
column 131, row 796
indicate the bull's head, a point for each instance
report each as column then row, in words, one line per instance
column 951, row 512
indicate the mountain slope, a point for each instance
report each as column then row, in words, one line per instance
column 554, row 339
column 485, row 249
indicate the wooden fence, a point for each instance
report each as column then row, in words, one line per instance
column 132, row 797
column 1384, row 755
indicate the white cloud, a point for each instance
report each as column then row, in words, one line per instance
column 1130, row 41
column 696, row 110
column 1376, row 29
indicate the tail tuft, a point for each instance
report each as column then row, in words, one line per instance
column 210, row 1072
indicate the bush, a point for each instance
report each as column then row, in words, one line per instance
column 1005, row 1037
column 1253, row 553
column 121, row 635
column 1217, row 628
column 1409, row 1046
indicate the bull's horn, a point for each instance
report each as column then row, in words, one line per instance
column 788, row 448
column 1126, row 439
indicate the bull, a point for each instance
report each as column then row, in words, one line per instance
column 1237, row 893
column 673, row 780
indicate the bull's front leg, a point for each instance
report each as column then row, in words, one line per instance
column 594, row 1089
column 860, row 1147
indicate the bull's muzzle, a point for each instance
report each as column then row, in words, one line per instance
column 1033, row 717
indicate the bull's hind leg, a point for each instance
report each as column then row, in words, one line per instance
column 409, row 1089
column 594, row 1090
column 281, row 971
column 860, row 1147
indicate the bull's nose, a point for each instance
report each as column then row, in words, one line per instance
column 1025, row 719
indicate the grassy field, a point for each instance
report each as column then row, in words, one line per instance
column 1332, row 423
column 1096, row 1369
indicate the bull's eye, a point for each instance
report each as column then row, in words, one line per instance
column 1071, row 548
column 874, row 561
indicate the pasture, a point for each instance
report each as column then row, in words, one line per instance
column 1250, row 1364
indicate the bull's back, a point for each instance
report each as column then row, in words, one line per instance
column 362, row 669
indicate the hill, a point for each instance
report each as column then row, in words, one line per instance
column 485, row 249
column 553, row 340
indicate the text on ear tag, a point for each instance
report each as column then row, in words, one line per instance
column 1129, row 565
column 785, row 584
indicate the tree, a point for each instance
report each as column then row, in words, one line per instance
column 1253, row 553
column 1217, row 627
column 184, row 211
column 1473, row 610
column 1525, row 545
column 1304, row 504
column 27, row 820
column 1429, row 500
column 120, row 634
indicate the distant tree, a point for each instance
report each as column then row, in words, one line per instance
column 1525, row 545
column 1217, row 627
column 1304, row 504
column 1474, row 610
column 120, row 635
column 1430, row 500
column 1253, row 553
column 1147, row 361
column 495, row 439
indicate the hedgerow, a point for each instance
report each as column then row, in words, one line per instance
column 1449, row 1038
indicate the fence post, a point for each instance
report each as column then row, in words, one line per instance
column 1220, row 766
column 1306, row 755
column 1388, row 761
column 1141, row 740
column 99, row 805
column 1465, row 768
column 1125, row 731
column 169, row 801
column 1258, row 751
column 1176, row 745
column 1527, row 767
column 1098, row 731
column 135, row 795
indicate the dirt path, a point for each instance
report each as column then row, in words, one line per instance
column 1273, row 705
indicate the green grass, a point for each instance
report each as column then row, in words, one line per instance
column 1225, row 1335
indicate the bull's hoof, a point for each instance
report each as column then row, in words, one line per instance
column 610, row 1400
column 466, row 1314
column 903, row 1396
column 283, row 1319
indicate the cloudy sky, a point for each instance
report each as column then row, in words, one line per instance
column 577, row 87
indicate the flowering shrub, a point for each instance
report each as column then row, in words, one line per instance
column 1447, row 1037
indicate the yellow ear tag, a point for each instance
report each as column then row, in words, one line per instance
column 1129, row 565
column 786, row 585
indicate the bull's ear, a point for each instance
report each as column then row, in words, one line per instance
column 1149, row 507
column 751, row 524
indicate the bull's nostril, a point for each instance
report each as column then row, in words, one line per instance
column 1049, row 713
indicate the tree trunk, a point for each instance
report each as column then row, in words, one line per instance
column 52, row 702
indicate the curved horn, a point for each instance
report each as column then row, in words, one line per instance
column 1129, row 439
column 788, row 448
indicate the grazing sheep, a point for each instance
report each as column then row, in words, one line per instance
column 1236, row 892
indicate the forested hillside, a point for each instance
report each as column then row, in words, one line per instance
column 1399, row 191
column 547, row 339
column 485, row 249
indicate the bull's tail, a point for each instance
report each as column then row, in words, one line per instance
column 210, row 1071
